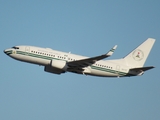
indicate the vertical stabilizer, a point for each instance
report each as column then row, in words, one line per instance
column 138, row 56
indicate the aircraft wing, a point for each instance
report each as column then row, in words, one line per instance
column 88, row 61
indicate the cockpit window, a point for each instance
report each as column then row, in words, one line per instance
column 15, row 47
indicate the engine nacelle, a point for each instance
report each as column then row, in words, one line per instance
column 59, row 64
column 56, row 67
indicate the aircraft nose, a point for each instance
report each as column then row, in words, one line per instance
column 7, row 51
column 4, row 51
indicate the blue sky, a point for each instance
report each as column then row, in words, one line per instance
column 90, row 28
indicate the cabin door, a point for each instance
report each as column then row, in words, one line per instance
column 27, row 49
column 117, row 69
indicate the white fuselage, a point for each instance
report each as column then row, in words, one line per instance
column 60, row 62
column 43, row 56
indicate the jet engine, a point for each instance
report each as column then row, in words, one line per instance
column 56, row 67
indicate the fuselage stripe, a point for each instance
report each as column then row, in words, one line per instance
column 50, row 58
column 108, row 70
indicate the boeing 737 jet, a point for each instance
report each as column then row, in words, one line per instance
column 58, row 62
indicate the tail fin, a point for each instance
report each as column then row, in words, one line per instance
column 138, row 56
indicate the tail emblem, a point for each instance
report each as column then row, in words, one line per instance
column 138, row 55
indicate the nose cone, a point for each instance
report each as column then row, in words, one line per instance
column 7, row 51
column 4, row 51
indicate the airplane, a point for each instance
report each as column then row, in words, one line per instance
column 58, row 62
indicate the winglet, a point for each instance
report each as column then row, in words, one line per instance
column 111, row 51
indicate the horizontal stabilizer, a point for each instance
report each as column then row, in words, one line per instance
column 142, row 68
